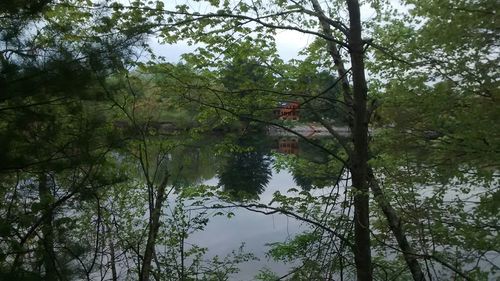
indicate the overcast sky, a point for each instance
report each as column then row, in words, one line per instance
column 288, row 42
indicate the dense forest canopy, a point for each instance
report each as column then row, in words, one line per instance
column 108, row 148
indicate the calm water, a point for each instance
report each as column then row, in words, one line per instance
column 251, row 172
column 245, row 172
column 223, row 235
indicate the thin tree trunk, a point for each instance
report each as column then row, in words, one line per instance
column 114, row 275
column 396, row 226
column 358, row 123
column 154, row 225
column 359, row 159
column 182, row 256
column 355, row 99
column 334, row 52
column 47, row 229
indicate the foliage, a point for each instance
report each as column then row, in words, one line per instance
column 437, row 137
column 247, row 171
column 105, row 158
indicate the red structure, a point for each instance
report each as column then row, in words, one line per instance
column 288, row 145
column 288, row 111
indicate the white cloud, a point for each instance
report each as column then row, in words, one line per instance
column 289, row 43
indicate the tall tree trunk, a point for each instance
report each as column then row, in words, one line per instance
column 358, row 123
column 48, row 255
column 355, row 99
column 154, row 225
column 114, row 275
column 359, row 159
column 397, row 229
column 334, row 52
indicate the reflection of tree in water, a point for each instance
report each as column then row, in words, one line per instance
column 314, row 168
column 246, row 174
column 304, row 181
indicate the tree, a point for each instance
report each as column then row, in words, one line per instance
column 55, row 141
column 247, row 170
column 430, row 119
column 57, row 61
column 231, row 18
column 229, row 23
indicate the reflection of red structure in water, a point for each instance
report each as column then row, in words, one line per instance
column 288, row 146
column 288, row 110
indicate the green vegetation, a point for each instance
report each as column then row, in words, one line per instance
column 107, row 147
